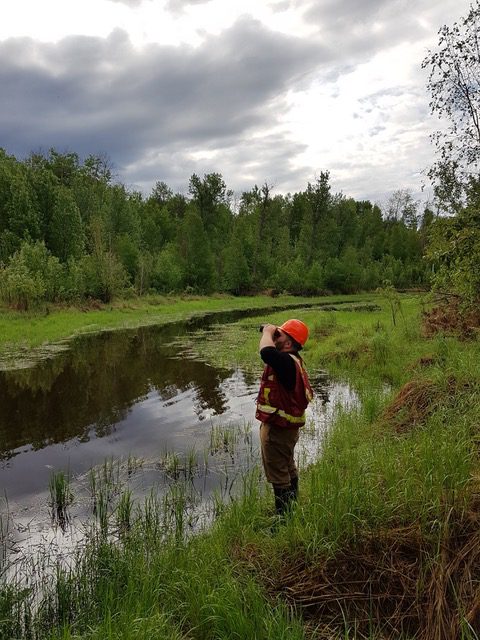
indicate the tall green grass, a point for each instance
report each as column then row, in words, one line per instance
column 61, row 496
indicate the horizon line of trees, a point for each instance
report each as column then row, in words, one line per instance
column 68, row 232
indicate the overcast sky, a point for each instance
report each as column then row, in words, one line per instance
column 259, row 90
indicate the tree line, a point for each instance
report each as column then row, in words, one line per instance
column 68, row 231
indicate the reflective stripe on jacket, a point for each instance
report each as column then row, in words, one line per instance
column 277, row 405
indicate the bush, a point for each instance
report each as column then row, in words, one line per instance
column 167, row 273
column 104, row 275
column 32, row 275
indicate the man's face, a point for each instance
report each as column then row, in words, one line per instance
column 280, row 338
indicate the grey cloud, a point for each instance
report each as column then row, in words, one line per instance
column 280, row 5
column 92, row 94
column 374, row 131
column 178, row 5
column 355, row 30
column 337, row 12
column 242, row 164
column 375, row 98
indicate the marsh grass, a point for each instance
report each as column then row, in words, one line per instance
column 383, row 543
column 61, row 497
column 105, row 484
column 186, row 465
column 124, row 512
column 223, row 439
column 4, row 534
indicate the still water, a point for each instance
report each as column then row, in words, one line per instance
column 125, row 393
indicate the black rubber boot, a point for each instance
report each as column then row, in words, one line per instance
column 294, row 487
column 283, row 497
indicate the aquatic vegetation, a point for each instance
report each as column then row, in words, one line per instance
column 61, row 496
column 223, row 439
column 175, row 465
column 104, row 484
column 124, row 512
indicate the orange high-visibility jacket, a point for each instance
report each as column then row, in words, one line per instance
column 277, row 405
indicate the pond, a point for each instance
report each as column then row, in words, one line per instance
column 138, row 398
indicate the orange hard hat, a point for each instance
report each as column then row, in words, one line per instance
column 296, row 329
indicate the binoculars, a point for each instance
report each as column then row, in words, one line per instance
column 276, row 333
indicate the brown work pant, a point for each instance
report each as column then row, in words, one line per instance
column 278, row 444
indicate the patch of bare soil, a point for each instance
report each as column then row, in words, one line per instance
column 395, row 582
column 451, row 319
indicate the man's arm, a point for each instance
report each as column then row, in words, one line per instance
column 266, row 339
column 283, row 365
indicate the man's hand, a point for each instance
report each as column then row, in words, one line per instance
column 267, row 336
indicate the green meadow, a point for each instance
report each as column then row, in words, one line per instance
column 383, row 543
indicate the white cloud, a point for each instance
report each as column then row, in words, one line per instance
column 272, row 89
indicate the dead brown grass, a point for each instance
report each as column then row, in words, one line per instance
column 396, row 582
column 417, row 400
column 412, row 405
column 451, row 319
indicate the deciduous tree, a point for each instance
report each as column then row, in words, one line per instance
column 454, row 85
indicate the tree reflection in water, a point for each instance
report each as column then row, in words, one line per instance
column 92, row 387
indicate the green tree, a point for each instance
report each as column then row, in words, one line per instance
column 22, row 212
column 323, row 229
column 371, row 229
column 194, row 249
column 65, row 232
column 295, row 211
column 126, row 249
column 236, row 273
column 291, row 276
column 98, row 167
column 167, row 275
column 344, row 210
column 209, row 194
column 454, row 85
column 64, row 166
column 258, row 202
column 121, row 214
column 454, row 249
column 314, row 282
column 104, row 275
column 210, row 198
column 157, row 225
column 161, row 193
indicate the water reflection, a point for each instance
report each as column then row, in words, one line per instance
column 120, row 393
column 92, row 387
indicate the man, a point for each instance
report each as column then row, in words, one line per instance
column 284, row 394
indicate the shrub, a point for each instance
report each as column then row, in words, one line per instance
column 32, row 275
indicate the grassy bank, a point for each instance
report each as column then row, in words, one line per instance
column 384, row 541
column 27, row 334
